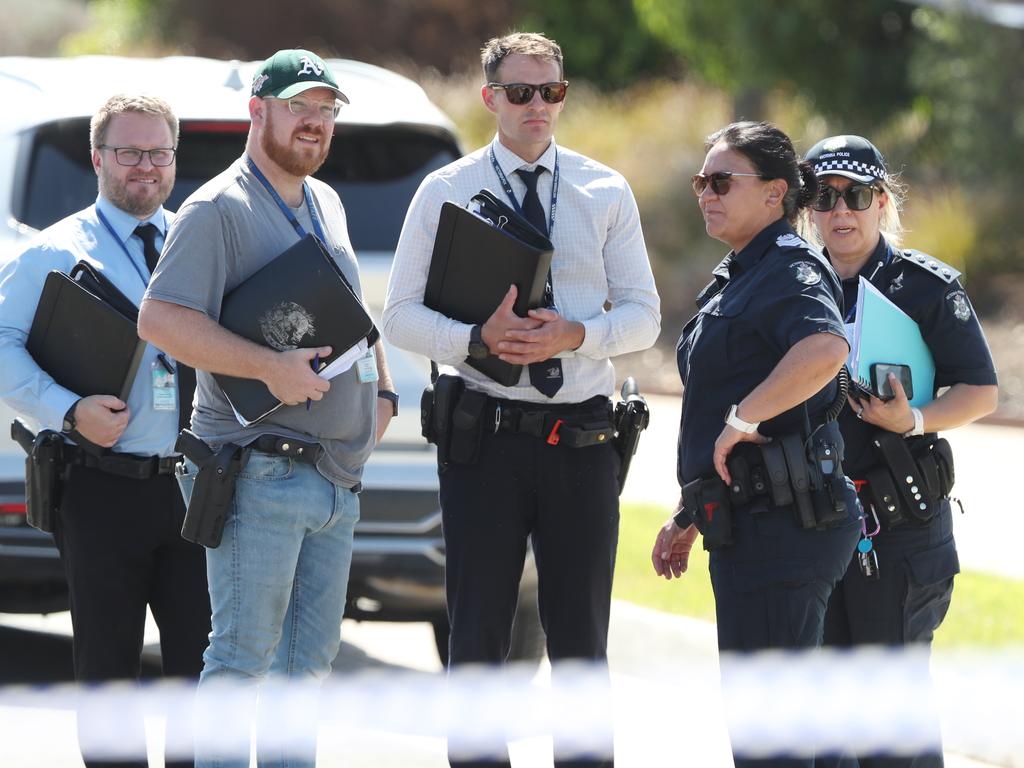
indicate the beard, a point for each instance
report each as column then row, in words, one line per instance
column 291, row 161
column 143, row 202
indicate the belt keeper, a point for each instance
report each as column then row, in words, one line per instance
column 553, row 437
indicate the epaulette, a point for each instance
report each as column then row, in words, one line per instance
column 930, row 264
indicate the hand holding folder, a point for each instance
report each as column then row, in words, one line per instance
column 884, row 334
column 479, row 252
column 301, row 299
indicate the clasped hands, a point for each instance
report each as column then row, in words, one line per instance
column 539, row 336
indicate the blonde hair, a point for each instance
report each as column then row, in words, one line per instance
column 889, row 224
column 124, row 103
column 523, row 43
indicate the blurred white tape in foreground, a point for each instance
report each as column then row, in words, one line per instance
column 794, row 704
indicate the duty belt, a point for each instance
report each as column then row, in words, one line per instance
column 122, row 464
column 576, row 425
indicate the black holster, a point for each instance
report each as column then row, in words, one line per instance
column 707, row 504
column 911, row 478
column 213, row 489
column 629, row 419
column 44, row 474
column 437, row 408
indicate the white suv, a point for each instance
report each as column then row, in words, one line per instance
column 385, row 142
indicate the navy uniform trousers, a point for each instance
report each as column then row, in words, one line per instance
column 120, row 542
column 904, row 606
column 771, row 589
column 565, row 501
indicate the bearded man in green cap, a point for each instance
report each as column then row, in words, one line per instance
column 278, row 578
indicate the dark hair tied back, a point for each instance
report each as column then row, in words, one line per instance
column 809, row 188
column 771, row 153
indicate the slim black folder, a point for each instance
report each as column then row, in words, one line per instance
column 477, row 255
column 84, row 333
column 300, row 299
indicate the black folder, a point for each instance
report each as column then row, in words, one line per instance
column 84, row 333
column 477, row 255
column 300, row 299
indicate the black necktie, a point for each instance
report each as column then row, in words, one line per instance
column 545, row 376
column 147, row 234
column 185, row 377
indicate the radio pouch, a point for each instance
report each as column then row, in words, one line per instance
column 935, row 460
column 707, row 503
column 466, row 427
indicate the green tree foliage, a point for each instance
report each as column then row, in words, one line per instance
column 850, row 58
column 603, row 40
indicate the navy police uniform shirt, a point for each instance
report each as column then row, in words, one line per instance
column 775, row 292
column 930, row 293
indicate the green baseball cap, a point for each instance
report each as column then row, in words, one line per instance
column 291, row 72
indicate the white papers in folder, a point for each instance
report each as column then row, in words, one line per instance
column 884, row 333
column 336, row 367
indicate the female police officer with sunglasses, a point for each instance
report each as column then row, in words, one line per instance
column 897, row 589
column 762, row 353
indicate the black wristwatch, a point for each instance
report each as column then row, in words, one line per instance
column 477, row 349
column 390, row 396
column 69, row 423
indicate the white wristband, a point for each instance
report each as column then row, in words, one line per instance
column 734, row 421
column 918, row 428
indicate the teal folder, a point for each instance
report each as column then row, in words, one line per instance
column 884, row 333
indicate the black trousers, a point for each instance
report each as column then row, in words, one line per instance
column 120, row 542
column 771, row 589
column 563, row 500
column 904, row 606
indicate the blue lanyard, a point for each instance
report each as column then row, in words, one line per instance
column 511, row 195
column 131, row 259
column 317, row 227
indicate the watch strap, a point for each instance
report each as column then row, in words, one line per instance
column 734, row 421
column 392, row 397
column 918, row 428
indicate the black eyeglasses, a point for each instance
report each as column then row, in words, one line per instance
column 131, row 156
column 522, row 93
column 720, row 181
column 857, row 197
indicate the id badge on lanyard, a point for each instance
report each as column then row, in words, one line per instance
column 165, row 385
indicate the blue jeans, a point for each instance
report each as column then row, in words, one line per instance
column 277, row 590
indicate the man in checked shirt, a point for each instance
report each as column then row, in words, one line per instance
column 536, row 475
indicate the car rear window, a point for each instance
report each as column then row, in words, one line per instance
column 375, row 171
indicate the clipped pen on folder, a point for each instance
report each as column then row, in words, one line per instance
column 316, row 369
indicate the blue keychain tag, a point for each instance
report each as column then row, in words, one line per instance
column 366, row 367
column 165, row 389
column 864, row 546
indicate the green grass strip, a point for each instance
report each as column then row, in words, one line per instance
column 987, row 610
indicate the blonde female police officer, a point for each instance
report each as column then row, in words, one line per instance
column 897, row 589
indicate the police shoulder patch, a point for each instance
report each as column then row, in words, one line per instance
column 957, row 303
column 806, row 272
column 930, row 264
column 789, row 240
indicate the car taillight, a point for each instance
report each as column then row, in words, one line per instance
column 12, row 514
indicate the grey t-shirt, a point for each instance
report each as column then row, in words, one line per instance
column 224, row 232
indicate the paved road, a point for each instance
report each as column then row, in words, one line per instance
column 987, row 464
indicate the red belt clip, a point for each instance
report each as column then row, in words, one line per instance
column 554, row 437
column 859, row 484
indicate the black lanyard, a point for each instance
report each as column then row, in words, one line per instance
column 512, row 196
column 317, row 228
column 131, row 259
column 851, row 315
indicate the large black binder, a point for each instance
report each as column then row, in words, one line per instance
column 300, row 299
column 84, row 333
column 477, row 255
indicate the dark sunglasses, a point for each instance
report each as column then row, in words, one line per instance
column 720, row 181
column 857, row 197
column 522, row 93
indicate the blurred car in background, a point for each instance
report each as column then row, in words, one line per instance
column 386, row 141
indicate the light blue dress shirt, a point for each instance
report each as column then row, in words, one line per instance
column 28, row 389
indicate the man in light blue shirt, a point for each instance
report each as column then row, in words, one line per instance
column 118, row 525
